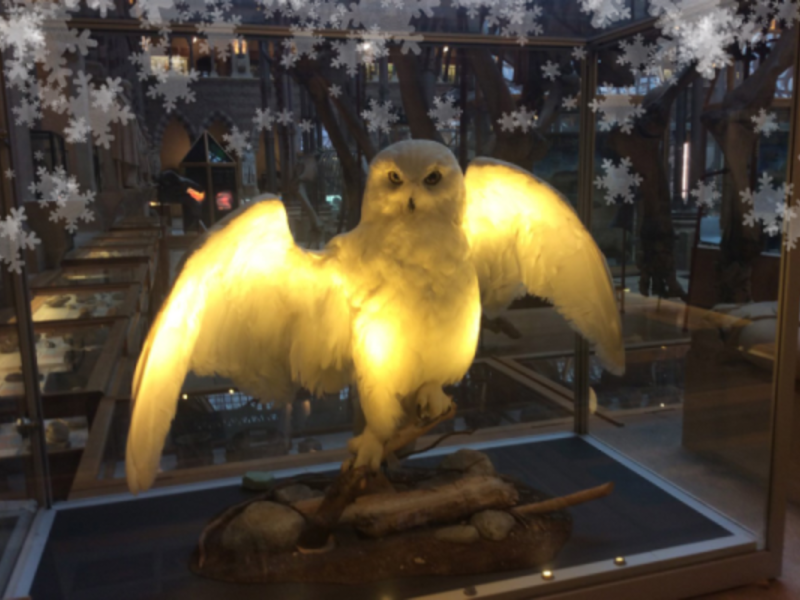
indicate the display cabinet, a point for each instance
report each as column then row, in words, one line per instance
column 658, row 145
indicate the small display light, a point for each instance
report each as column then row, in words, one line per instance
column 620, row 561
column 231, row 391
column 185, row 396
column 547, row 575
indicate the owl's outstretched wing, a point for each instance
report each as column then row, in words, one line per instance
column 522, row 233
column 249, row 305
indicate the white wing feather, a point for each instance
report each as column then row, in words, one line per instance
column 249, row 305
column 522, row 233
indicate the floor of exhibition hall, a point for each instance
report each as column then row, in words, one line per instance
column 136, row 550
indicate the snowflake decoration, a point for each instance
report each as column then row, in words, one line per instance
column 379, row 116
column 14, row 239
column 61, row 192
column 579, row 53
column 705, row 194
column 285, row 117
column 236, row 141
column 766, row 204
column 9, row 174
column 551, row 71
column 95, row 109
column 218, row 33
column 636, row 53
column 77, row 131
column 38, row 156
column 264, row 119
column 304, row 42
column 521, row 118
column 606, row 12
column 790, row 225
column 335, row 91
column 170, row 84
column 517, row 19
column 616, row 109
column 618, row 181
column 765, row 122
column 444, row 113
column 306, row 126
column 700, row 37
column 570, row 103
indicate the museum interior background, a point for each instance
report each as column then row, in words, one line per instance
column 131, row 129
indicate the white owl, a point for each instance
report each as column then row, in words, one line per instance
column 392, row 306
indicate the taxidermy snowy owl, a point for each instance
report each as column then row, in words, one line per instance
column 392, row 306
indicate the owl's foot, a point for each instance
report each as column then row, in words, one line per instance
column 432, row 402
column 368, row 450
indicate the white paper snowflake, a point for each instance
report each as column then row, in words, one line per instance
column 444, row 113
column 705, row 194
column 237, row 142
column 765, row 122
column 95, row 109
column 335, row 91
column 569, row 103
column 285, row 117
column 521, row 118
column 306, row 126
column 27, row 112
column 700, row 34
column 766, row 204
column 517, row 18
column 619, row 181
column 218, row 33
column 77, row 131
column 172, row 86
column 636, row 54
column 606, row 12
column 9, row 174
column 379, row 116
column 61, row 192
column 790, row 225
column 579, row 53
column 304, row 42
column 264, row 118
column 616, row 109
column 551, row 71
column 14, row 239
column 38, row 156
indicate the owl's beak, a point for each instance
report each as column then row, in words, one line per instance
column 411, row 205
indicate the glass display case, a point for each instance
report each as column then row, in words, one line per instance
column 618, row 186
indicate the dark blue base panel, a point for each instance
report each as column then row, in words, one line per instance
column 140, row 549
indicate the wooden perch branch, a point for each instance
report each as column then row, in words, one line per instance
column 554, row 504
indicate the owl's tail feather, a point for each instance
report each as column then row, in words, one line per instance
column 162, row 367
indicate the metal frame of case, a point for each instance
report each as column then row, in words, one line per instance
column 672, row 573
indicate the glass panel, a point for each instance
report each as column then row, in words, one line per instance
column 142, row 156
column 687, row 208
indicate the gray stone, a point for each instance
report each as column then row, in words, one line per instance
column 493, row 524
column 293, row 493
column 264, row 526
column 470, row 462
column 458, row 534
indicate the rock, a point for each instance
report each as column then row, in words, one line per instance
column 263, row 526
column 257, row 480
column 458, row 534
column 493, row 524
column 469, row 462
column 293, row 493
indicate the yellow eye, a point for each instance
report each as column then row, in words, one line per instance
column 434, row 178
column 395, row 178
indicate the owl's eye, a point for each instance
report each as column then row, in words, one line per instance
column 395, row 178
column 434, row 178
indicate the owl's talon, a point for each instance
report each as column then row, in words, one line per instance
column 368, row 450
column 432, row 401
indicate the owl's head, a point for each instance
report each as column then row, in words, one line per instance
column 414, row 179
